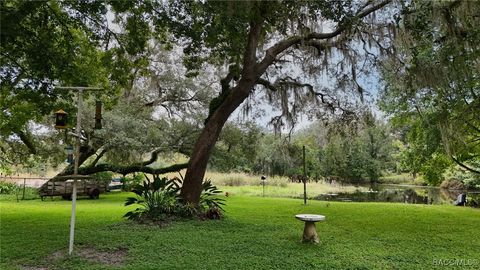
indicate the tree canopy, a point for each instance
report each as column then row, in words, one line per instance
column 433, row 86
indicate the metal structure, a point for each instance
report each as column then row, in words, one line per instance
column 75, row 175
column 304, row 178
column 264, row 181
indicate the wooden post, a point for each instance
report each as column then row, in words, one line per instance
column 304, row 179
column 24, row 183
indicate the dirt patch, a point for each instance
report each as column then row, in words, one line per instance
column 114, row 257
column 57, row 255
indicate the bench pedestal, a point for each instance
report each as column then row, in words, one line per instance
column 310, row 231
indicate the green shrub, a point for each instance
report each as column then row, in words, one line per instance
column 129, row 183
column 473, row 200
column 159, row 200
column 31, row 193
column 469, row 179
column 103, row 177
column 472, row 182
column 210, row 203
column 12, row 191
column 7, row 187
column 452, row 184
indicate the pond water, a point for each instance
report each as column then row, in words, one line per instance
column 403, row 194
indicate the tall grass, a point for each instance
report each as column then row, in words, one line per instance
column 242, row 179
column 246, row 184
column 404, row 178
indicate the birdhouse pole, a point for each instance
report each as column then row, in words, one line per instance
column 304, row 178
column 77, row 159
column 75, row 171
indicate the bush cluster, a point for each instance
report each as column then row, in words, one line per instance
column 159, row 200
column 7, row 187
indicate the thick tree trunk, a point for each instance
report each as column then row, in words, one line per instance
column 192, row 184
column 197, row 165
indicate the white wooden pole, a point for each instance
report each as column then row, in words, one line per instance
column 75, row 172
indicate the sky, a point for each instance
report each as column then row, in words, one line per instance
column 265, row 112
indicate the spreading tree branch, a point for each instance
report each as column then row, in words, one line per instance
column 167, row 99
column 249, row 57
column 225, row 82
column 267, row 84
column 464, row 166
column 153, row 158
column 99, row 156
column 124, row 170
column 27, row 140
column 281, row 46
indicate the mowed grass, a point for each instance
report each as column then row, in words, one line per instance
column 257, row 233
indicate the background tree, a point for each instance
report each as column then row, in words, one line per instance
column 433, row 87
column 237, row 148
column 44, row 43
column 145, row 92
column 355, row 152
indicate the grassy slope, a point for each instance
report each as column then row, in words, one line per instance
column 258, row 233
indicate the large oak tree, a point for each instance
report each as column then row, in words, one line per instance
column 299, row 56
column 254, row 38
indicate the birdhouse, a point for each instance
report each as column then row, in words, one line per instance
column 60, row 119
column 98, row 115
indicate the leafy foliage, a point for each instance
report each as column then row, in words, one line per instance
column 357, row 151
column 351, row 151
column 12, row 191
column 159, row 201
column 7, row 187
column 210, row 202
column 103, row 177
column 237, row 148
column 47, row 43
column 433, row 88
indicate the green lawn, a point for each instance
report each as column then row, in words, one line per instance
column 257, row 233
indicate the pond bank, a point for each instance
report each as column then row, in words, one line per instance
column 401, row 193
